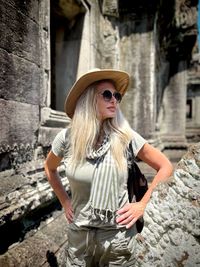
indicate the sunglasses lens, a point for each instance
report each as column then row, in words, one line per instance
column 118, row 97
column 107, row 95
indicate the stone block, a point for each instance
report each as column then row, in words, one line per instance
column 20, row 79
column 44, row 11
column 56, row 229
column 23, row 193
column 47, row 135
column 20, row 125
column 8, row 185
column 32, row 252
column 19, row 33
column 176, row 208
column 27, row 8
column 46, row 247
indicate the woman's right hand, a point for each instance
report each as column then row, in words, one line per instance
column 69, row 213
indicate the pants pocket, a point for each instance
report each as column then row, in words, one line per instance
column 121, row 248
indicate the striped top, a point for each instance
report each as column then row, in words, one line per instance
column 80, row 183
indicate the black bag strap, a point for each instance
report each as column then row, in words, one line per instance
column 137, row 183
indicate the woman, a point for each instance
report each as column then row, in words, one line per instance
column 95, row 151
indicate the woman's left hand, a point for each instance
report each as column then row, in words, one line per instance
column 130, row 213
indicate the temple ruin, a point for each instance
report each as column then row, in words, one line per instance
column 44, row 46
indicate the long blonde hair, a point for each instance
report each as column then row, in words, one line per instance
column 85, row 129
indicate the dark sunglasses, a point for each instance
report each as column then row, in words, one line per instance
column 107, row 96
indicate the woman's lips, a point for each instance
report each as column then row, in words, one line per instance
column 112, row 109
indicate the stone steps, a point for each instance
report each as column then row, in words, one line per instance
column 41, row 247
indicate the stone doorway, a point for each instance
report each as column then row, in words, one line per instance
column 66, row 27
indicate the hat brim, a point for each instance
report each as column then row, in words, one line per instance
column 120, row 78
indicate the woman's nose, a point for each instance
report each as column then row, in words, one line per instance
column 113, row 99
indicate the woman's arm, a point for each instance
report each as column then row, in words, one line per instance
column 158, row 161
column 51, row 164
column 131, row 212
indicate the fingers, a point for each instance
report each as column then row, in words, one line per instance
column 125, row 219
column 124, row 209
column 69, row 218
column 131, row 223
column 69, row 214
column 129, row 214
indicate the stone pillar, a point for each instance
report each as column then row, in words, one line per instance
column 139, row 103
column 197, row 111
column 84, row 62
column 45, row 64
column 174, row 109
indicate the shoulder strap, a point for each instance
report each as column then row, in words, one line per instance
column 137, row 184
column 131, row 174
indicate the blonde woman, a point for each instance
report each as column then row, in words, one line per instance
column 94, row 149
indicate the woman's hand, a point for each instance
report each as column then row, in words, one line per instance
column 130, row 213
column 69, row 213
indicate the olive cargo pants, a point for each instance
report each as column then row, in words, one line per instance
column 96, row 247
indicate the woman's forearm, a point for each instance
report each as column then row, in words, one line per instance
column 55, row 181
column 159, row 162
column 162, row 176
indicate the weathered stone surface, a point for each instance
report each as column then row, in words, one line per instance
column 20, row 79
column 172, row 123
column 20, row 124
column 20, row 194
column 142, row 88
column 177, row 28
column 45, row 56
column 46, row 247
column 47, row 134
column 29, row 8
column 110, row 8
column 19, row 34
column 171, row 236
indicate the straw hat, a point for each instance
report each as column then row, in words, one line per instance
column 120, row 78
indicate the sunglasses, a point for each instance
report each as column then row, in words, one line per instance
column 107, row 96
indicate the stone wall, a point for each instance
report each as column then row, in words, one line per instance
column 171, row 236
column 19, row 81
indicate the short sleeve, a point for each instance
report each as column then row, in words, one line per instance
column 59, row 143
column 137, row 143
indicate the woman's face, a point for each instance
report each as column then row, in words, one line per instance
column 106, row 106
